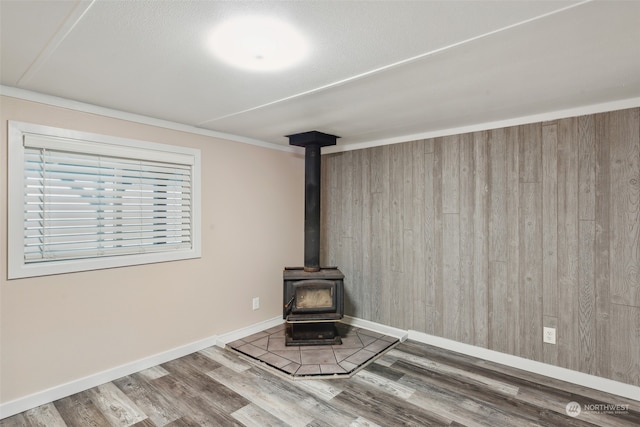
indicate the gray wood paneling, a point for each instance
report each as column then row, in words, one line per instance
column 499, row 326
column 623, row 135
column 451, row 286
column 498, row 195
column 550, row 220
column 467, row 240
column 361, row 235
column 417, row 249
column 625, row 363
column 487, row 237
column 550, row 351
column 512, row 137
column 450, row 148
column 375, row 280
column 587, row 167
column 602, row 243
column 480, row 282
column 587, row 297
column 531, row 153
column 568, row 251
column 531, row 271
column 438, row 259
column 428, row 259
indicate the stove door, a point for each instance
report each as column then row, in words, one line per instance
column 314, row 296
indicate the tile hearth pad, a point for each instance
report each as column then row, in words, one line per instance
column 359, row 347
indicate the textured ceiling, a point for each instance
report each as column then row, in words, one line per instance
column 377, row 71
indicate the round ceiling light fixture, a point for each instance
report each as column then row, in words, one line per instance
column 258, row 43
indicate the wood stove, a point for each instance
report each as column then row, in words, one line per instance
column 313, row 296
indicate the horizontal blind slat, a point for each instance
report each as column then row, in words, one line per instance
column 101, row 179
column 76, row 147
column 91, row 253
column 80, row 205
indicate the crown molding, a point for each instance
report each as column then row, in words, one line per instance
column 55, row 101
column 604, row 107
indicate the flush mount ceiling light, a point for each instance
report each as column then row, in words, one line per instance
column 258, row 43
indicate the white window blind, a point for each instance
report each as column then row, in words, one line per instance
column 91, row 201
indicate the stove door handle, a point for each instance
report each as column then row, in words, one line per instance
column 289, row 306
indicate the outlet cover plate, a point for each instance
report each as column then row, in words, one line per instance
column 549, row 335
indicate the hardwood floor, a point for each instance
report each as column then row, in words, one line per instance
column 412, row 384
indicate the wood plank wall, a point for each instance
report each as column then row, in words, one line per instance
column 485, row 237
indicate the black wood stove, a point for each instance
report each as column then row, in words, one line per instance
column 313, row 296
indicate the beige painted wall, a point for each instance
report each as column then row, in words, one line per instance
column 61, row 328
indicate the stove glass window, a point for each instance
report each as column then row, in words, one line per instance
column 314, row 297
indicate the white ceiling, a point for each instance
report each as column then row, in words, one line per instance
column 378, row 70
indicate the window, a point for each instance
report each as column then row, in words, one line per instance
column 80, row 201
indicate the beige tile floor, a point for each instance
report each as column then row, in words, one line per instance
column 359, row 347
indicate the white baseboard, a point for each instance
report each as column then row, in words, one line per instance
column 603, row 384
column 232, row 336
column 22, row 404
column 225, row 339
column 58, row 392
column 401, row 334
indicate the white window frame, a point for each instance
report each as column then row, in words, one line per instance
column 97, row 144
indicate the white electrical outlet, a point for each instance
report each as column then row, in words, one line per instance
column 549, row 335
column 256, row 303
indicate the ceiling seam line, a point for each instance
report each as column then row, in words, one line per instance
column 395, row 64
column 64, row 29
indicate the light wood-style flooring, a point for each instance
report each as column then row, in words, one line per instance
column 412, row 384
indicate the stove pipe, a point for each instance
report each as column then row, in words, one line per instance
column 312, row 142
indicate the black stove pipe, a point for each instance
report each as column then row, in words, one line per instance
column 312, row 142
